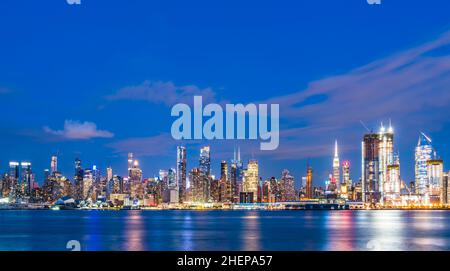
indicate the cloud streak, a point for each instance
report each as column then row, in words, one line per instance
column 411, row 87
column 4, row 90
column 159, row 92
column 75, row 130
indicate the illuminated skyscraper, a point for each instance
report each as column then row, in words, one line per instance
column 346, row 183
column 423, row 153
column 205, row 160
column 445, row 189
column 370, row 169
column 435, row 172
column 336, row 164
column 109, row 173
column 78, row 178
column 181, row 172
column 309, row 183
column 225, row 186
column 130, row 162
column 287, row 186
column 386, row 157
column 88, row 185
column 27, row 179
column 54, row 164
column 251, row 179
column 392, row 185
column 200, row 186
column 236, row 175
column 171, row 178
column 135, row 178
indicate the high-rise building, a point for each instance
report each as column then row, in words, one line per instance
column 205, row 160
column 423, row 153
column 78, row 178
column 287, row 186
column 251, row 179
column 336, row 165
column 370, row 182
column 171, row 179
column 392, row 186
column 130, row 162
column 12, row 180
column 27, row 179
column 181, row 172
column 435, row 173
column 200, row 186
column 236, row 175
column 109, row 173
column 309, row 183
column 135, row 181
column 346, row 183
column 88, row 185
column 54, row 164
column 445, row 189
column 386, row 157
column 225, row 186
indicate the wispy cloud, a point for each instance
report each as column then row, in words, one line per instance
column 162, row 93
column 411, row 87
column 145, row 146
column 4, row 90
column 76, row 130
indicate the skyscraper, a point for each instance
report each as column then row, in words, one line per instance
column 78, row 177
column 336, row 165
column 386, row 157
column 423, row 153
column 181, row 172
column 309, row 182
column 435, row 172
column 445, row 189
column 54, row 164
column 109, row 173
column 391, row 188
column 236, row 174
column 205, row 160
column 287, row 186
column 171, row 178
column 251, row 179
column 27, row 179
column 346, row 183
column 370, row 169
column 200, row 186
column 225, row 186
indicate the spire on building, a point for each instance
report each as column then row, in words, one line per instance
column 336, row 154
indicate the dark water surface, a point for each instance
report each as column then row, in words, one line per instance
column 226, row 230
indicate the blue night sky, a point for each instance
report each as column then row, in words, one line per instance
column 98, row 80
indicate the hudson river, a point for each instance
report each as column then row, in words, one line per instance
column 226, row 230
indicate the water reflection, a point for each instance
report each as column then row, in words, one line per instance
column 187, row 233
column 339, row 231
column 135, row 232
column 227, row 230
column 251, row 234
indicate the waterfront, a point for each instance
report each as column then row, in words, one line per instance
column 226, row 230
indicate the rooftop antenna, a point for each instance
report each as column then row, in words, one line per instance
column 362, row 123
column 426, row 137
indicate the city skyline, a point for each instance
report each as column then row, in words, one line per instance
column 205, row 161
column 48, row 100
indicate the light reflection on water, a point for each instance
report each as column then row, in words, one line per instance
column 226, row 230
